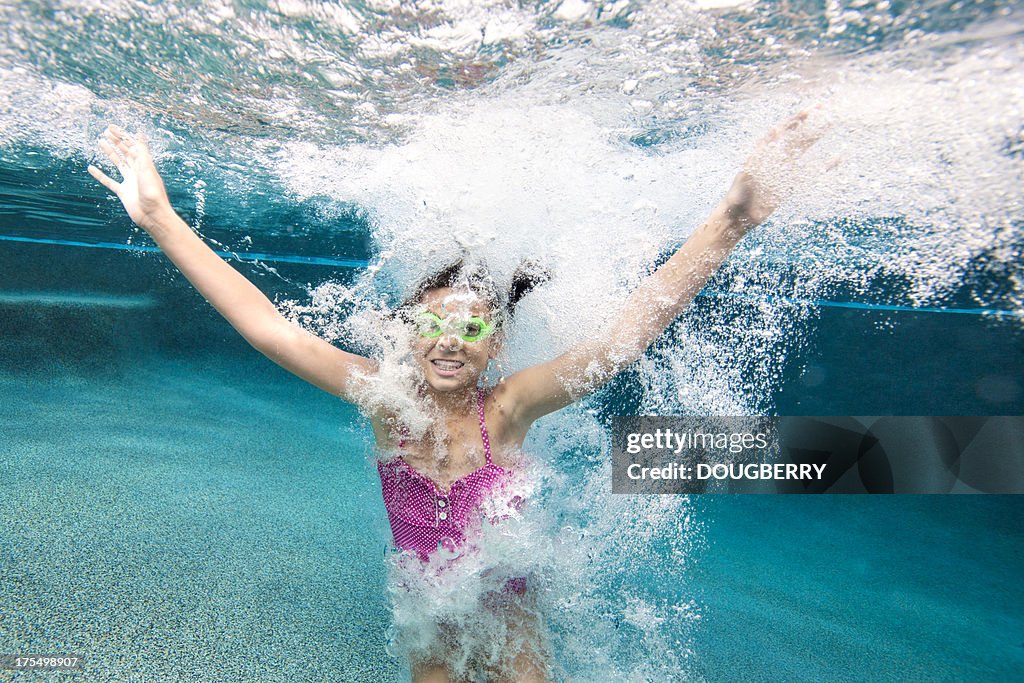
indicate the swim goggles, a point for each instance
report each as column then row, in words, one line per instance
column 472, row 329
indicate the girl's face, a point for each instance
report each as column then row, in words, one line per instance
column 448, row 360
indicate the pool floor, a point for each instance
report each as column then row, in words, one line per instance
column 214, row 520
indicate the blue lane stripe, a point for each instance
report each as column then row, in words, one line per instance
column 75, row 299
column 247, row 256
column 360, row 263
column 856, row 304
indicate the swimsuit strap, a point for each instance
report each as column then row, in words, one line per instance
column 483, row 425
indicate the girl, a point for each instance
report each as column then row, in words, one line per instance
column 447, row 473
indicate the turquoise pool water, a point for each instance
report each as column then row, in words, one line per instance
column 184, row 510
column 176, row 507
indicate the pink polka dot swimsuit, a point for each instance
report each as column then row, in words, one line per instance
column 424, row 517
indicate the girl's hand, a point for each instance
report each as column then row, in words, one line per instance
column 760, row 186
column 141, row 189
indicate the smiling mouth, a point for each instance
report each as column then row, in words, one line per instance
column 447, row 366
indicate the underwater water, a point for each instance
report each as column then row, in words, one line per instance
column 176, row 507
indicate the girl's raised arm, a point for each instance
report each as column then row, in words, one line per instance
column 243, row 305
column 544, row 388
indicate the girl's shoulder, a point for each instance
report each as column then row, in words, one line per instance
column 387, row 429
column 500, row 416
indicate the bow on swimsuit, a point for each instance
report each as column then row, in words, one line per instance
column 423, row 517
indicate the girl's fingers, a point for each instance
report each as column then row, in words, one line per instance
column 118, row 132
column 804, row 142
column 113, row 154
column 103, row 178
column 129, row 146
column 799, row 134
column 123, row 145
column 796, row 120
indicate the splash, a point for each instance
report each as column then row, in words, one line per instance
column 468, row 605
column 514, row 172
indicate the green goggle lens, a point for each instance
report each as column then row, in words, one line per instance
column 472, row 329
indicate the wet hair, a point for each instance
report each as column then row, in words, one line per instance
column 475, row 276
